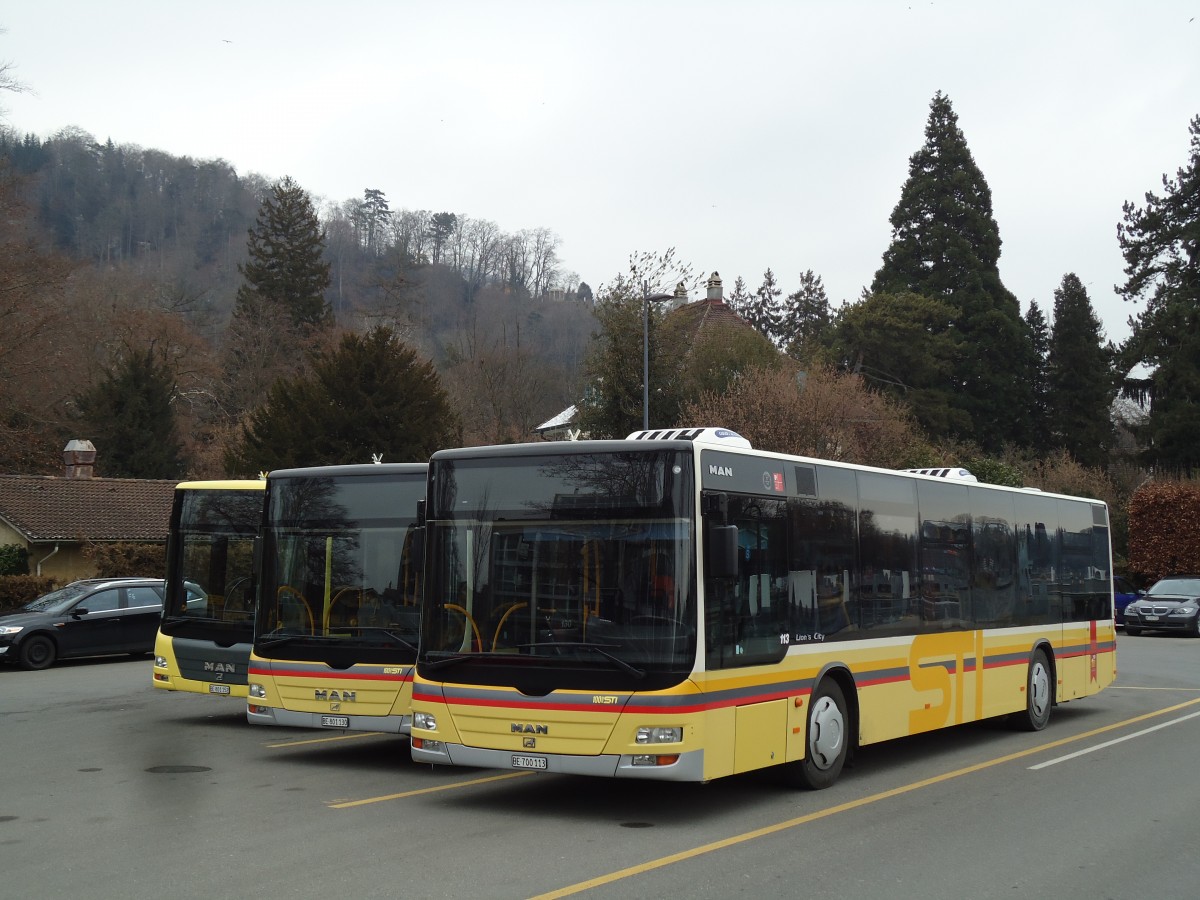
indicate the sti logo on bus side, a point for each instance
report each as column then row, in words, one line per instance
column 220, row 667
column 724, row 471
column 335, row 696
column 525, row 728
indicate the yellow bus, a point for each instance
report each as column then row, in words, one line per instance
column 679, row 606
column 339, row 586
column 203, row 642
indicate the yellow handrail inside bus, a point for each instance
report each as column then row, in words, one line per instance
column 454, row 607
column 288, row 589
column 504, row 618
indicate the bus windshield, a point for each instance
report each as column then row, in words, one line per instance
column 580, row 559
column 338, row 564
column 211, row 565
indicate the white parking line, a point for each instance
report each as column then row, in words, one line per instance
column 1128, row 737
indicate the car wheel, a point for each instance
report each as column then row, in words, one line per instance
column 1132, row 631
column 1196, row 626
column 827, row 739
column 37, row 652
column 1039, row 693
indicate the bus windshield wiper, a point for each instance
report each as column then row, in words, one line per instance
column 448, row 660
column 602, row 649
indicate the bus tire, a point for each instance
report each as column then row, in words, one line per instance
column 1039, row 693
column 37, row 652
column 826, row 739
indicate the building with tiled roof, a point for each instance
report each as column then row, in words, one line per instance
column 56, row 517
column 704, row 317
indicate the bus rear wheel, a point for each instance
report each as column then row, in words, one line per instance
column 1039, row 693
column 826, row 739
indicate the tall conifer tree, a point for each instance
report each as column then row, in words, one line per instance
column 1039, row 336
column 286, row 265
column 1079, row 378
column 1161, row 246
column 129, row 416
column 946, row 245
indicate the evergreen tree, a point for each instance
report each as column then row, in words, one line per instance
column 286, row 266
column 1039, row 339
column 763, row 310
column 805, row 317
column 905, row 346
column 946, row 244
column 376, row 215
column 369, row 395
column 1161, row 246
column 129, row 417
column 739, row 298
column 1080, row 383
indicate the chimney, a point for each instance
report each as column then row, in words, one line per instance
column 79, row 456
column 714, row 288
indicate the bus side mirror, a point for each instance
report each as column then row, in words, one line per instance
column 723, row 551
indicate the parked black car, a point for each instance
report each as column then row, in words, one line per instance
column 93, row 617
column 1171, row 604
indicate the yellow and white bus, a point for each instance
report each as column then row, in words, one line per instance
column 203, row 642
column 338, row 598
column 679, row 606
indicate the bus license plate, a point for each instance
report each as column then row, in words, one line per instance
column 335, row 721
column 218, row 689
column 529, row 762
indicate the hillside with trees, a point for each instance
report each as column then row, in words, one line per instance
column 235, row 324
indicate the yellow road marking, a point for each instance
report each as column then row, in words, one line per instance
column 840, row 808
column 429, row 790
column 327, row 740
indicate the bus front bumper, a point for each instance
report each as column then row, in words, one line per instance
column 688, row 766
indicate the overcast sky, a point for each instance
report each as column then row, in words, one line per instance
column 744, row 134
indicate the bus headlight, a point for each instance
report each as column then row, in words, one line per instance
column 256, row 690
column 425, row 721
column 649, row 735
column 160, row 662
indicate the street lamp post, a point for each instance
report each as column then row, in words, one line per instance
column 647, row 299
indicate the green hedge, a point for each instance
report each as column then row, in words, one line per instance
column 14, row 560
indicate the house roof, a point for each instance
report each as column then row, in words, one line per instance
column 45, row 508
column 705, row 315
column 564, row 418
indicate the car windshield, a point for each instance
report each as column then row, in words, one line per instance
column 57, row 601
column 1188, row 587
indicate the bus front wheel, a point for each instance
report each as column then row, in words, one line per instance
column 826, row 739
